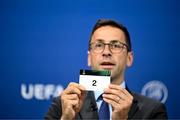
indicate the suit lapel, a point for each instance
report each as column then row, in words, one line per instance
column 133, row 109
column 89, row 108
column 134, row 106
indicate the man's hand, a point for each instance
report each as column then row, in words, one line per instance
column 72, row 99
column 120, row 100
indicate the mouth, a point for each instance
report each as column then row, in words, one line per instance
column 107, row 65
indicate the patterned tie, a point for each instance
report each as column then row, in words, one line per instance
column 104, row 113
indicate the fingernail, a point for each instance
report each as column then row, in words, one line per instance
column 105, row 89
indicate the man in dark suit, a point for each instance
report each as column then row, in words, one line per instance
column 109, row 49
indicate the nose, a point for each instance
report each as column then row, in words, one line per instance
column 106, row 51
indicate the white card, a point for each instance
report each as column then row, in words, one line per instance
column 94, row 82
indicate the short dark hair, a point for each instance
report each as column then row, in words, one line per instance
column 110, row 22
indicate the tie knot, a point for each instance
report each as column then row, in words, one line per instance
column 100, row 97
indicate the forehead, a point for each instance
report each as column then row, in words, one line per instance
column 108, row 33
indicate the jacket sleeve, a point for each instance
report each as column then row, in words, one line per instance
column 54, row 112
column 159, row 112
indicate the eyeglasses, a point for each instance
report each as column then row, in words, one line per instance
column 115, row 46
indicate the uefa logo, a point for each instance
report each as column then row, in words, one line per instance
column 156, row 90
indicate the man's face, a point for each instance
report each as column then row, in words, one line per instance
column 106, row 60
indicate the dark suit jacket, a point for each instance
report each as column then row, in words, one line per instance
column 142, row 108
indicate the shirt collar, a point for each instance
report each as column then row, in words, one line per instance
column 98, row 93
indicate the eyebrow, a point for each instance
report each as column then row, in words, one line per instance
column 101, row 40
column 115, row 41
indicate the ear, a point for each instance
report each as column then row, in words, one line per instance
column 89, row 59
column 130, row 58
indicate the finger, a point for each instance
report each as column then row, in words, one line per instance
column 127, row 93
column 71, row 104
column 72, row 90
column 77, row 86
column 117, row 106
column 117, row 87
column 75, row 105
column 116, row 93
column 115, row 98
column 114, row 102
column 111, row 102
column 112, row 97
column 121, row 92
column 71, row 97
column 83, row 95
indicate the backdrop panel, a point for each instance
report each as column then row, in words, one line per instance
column 43, row 45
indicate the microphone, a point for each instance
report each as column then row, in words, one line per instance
column 93, row 107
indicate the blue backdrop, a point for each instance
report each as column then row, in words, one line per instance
column 43, row 45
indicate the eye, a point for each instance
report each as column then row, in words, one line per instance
column 98, row 45
column 116, row 45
